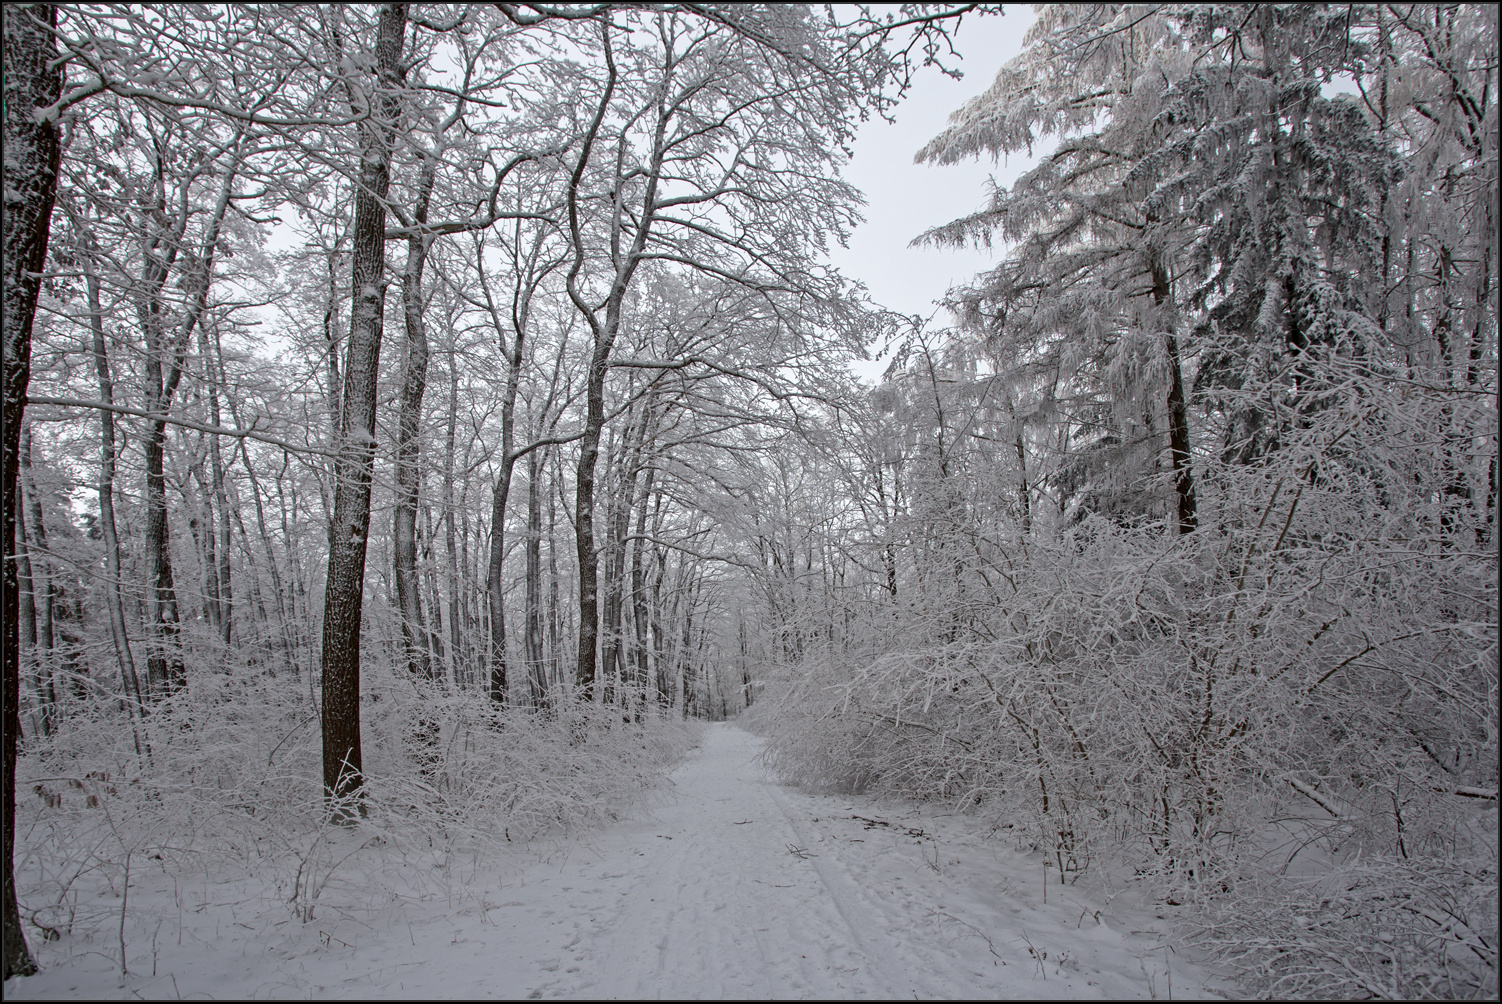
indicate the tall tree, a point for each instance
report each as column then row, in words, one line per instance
column 33, row 84
column 408, row 468
column 163, row 249
column 710, row 151
column 532, row 259
column 381, row 99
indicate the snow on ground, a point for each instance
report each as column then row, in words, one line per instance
column 732, row 887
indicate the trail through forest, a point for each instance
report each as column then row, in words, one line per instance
column 732, row 886
column 766, row 891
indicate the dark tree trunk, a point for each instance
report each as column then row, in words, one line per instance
column 164, row 666
column 533, row 638
column 604, row 335
column 349, row 531
column 432, row 584
column 584, row 526
column 1178, row 408
column 618, row 660
column 665, row 679
column 205, row 536
column 165, row 671
column 495, row 573
column 555, row 602
column 32, row 80
column 1024, row 499
column 1178, row 440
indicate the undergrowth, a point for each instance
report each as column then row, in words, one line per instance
column 226, row 791
column 1288, row 724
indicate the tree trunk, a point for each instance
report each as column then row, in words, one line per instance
column 349, row 531
column 32, row 80
column 214, row 367
column 628, row 472
column 533, row 637
column 555, row 601
column 643, row 681
column 205, row 536
column 466, row 592
column 1178, row 440
column 433, row 589
column 32, row 539
column 665, row 680
column 449, row 543
column 165, row 671
column 495, row 575
column 1178, row 408
column 408, row 471
column 584, row 526
column 594, row 420
column 164, row 665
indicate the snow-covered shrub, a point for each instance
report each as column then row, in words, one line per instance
column 227, row 788
column 513, row 774
column 1381, row 927
column 1320, row 657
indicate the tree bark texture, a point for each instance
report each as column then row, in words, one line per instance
column 1178, row 408
column 533, row 638
column 32, row 81
column 350, row 527
column 584, row 525
column 495, row 575
column 409, row 422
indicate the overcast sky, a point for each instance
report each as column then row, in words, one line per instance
column 904, row 199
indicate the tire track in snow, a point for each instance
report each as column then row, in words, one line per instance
column 840, row 895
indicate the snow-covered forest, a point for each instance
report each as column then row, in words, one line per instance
column 419, row 418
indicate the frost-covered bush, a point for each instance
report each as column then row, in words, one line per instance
column 1306, row 686
column 1382, row 927
column 227, row 788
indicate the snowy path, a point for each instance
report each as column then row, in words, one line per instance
column 744, row 888
column 732, row 887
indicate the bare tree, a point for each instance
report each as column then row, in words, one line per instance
column 33, row 83
column 348, row 539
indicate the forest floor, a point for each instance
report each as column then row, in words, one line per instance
column 730, row 886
